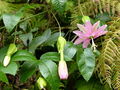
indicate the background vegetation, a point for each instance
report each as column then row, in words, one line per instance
column 34, row 25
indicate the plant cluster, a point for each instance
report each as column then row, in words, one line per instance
column 59, row 44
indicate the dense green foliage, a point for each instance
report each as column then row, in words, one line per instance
column 29, row 30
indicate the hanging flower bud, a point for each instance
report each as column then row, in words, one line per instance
column 85, row 19
column 63, row 70
column 6, row 60
column 61, row 43
column 41, row 83
column 11, row 50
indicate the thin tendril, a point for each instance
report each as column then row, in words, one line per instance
column 57, row 23
column 32, row 16
column 15, row 35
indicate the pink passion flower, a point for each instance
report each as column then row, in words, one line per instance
column 62, row 70
column 88, row 32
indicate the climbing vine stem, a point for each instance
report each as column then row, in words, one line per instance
column 57, row 22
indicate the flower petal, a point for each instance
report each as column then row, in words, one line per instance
column 86, row 43
column 100, row 31
column 88, row 30
column 77, row 32
column 62, row 70
column 95, row 26
column 78, row 41
column 82, row 28
column 102, row 28
column 88, row 26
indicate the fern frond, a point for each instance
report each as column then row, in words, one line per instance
column 116, row 77
column 114, row 25
column 4, row 7
column 106, row 60
column 89, row 8
column 113, row 6
column 118, row 8
column 116, row 65
column 109, row 60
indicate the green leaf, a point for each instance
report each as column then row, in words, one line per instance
column 103, row 17
column 3, row 77
column 23, row 55
column 11, row 20
column 10, row 69
column 96, row 53
column 23, row 26
column 27, row 70
column 72, row 67
column 39, row 40
column 53, row 56
column 59, row 5
column 16, row 33
column 50, row 56
column 3, row 51
column 26, row 37
column 70, row 50
column 67, row 58
column 86, row 62
column 48, row 69
column 93, row 84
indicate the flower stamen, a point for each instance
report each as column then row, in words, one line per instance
column 93, row 47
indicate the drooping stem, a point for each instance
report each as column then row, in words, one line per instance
column 57, row 23
column 61, row 55
column 15, row 34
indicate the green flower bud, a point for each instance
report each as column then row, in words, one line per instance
column 12, row 49
column 61, row 43
column 41, row 83
column 85, row 19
